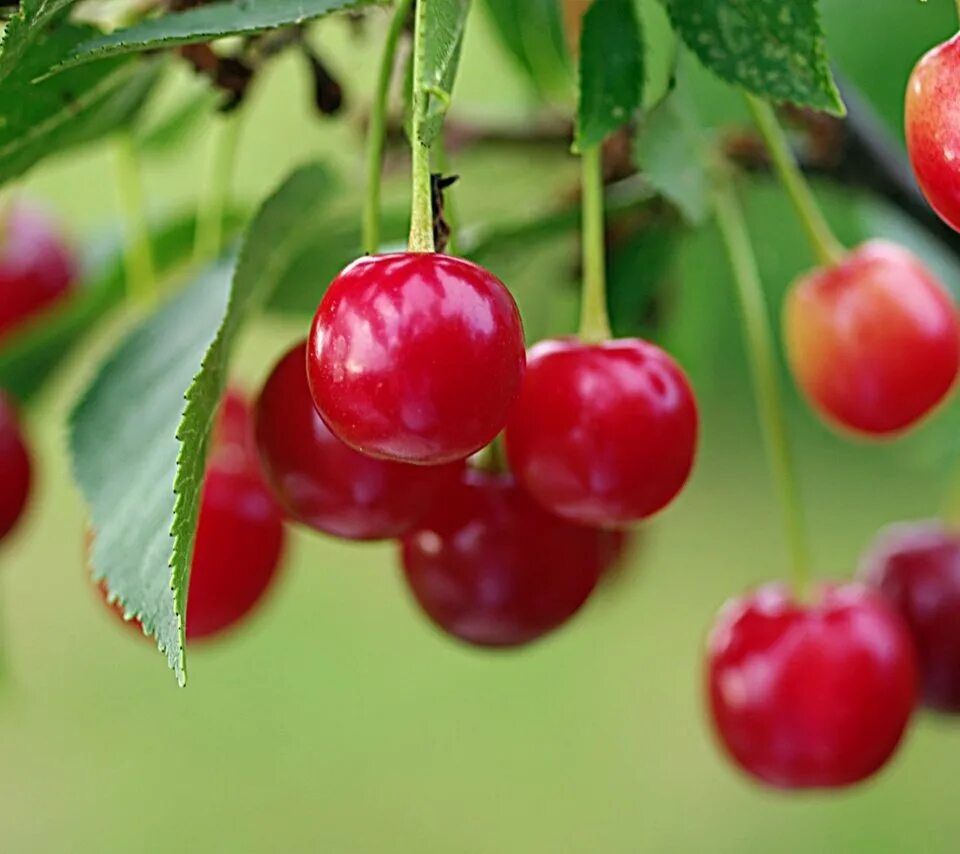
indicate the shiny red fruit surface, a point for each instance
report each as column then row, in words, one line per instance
column 811, row 695
column 36, row 265
column 233, row 431
column 416, row 357
column 932, row 124
column 603, row 434
column 327, row 485
column 873, row 341
column 15, row 469
column 492, row 568
column 916, row 567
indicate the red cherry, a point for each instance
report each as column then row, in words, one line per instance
column 933, row 128
column 603, row 434
column 233, row 429
column 416, row 357
column 36, row 266
column 494, row 569
column 811, row 695
column 327, row 485
column 15, row 469
column 873, row 341
column 916, row 567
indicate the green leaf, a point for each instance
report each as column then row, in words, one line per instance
column 670, row 151
column 611, row 69
column 139, row 433
column 639, row 266
column 29, row 357
column 532, row 33
column 82, row 105
column 24, row 29
column 445, row 27
column 773, row 48
column 205, row 23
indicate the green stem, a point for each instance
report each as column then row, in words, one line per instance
column 140, row 271
column 825, row 245
column 594, row 319
column 377, row 132
column 950, row 509
column 421, row 219
column 766, row 377
column 216, row 195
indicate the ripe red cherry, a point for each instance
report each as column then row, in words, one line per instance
column 36, row 266
column 15, row 468
column 873, row 341
column 492, row 568
column 327, row 485
column 916, row 567
column 603, row 434
column 933, row 128
column 416, row 357
column 811, row 696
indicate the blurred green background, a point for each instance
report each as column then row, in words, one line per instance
column 338, row 719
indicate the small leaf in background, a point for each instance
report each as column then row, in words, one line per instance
column 445, row 26
column 139, row 433
column 532, row 33
column 611, row 69
column 205, row 23
column 670, row 152
column 661, row 52
column 773, row 48
column 25, row 28
column 40, row 119
column 639, row 266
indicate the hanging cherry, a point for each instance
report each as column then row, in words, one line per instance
column 15, row 468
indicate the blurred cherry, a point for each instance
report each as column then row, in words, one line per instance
column 15, row 467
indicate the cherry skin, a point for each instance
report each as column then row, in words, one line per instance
column 916, row 568
column 933, row 128
column 36, row 266
column 811, row 695
column 873, row 341
column 492, row 568
column 323, row 483
column 603, row 434
column 416, row 357
column 15, row 468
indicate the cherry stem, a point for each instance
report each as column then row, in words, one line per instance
column 824, row 243
column 594, row 318
column 421, row 218
column 950, row 508
column 139, row 268
column 377, row 130
column 765, row 372
column 208, row 242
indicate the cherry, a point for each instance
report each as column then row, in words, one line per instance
column 916, row 567
column 494, row 569
column 36, row 266
column 15, row 469
column 873, row 341
column 933, row 128
column 416, row 357
column 233, row 431
column 327, row 485
column 603, row 434
column 811, row 695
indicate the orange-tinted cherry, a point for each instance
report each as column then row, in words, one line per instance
column 15, row 469
column 916, row 567
column 491, row 567
column 933, row 128
column 872, row 341
column 327, row 485
column 603, row 434
column 416, row 357
column 36, row 266
column 811, row 695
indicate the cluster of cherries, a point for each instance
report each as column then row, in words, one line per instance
column 818, row 693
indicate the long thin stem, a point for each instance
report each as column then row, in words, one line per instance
column 822, row 240
column 216, row 195
column 138, row 250
column 594, row 319
column 421, row 219
column 763, row 366
column 950, row 507
column 377, row 131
